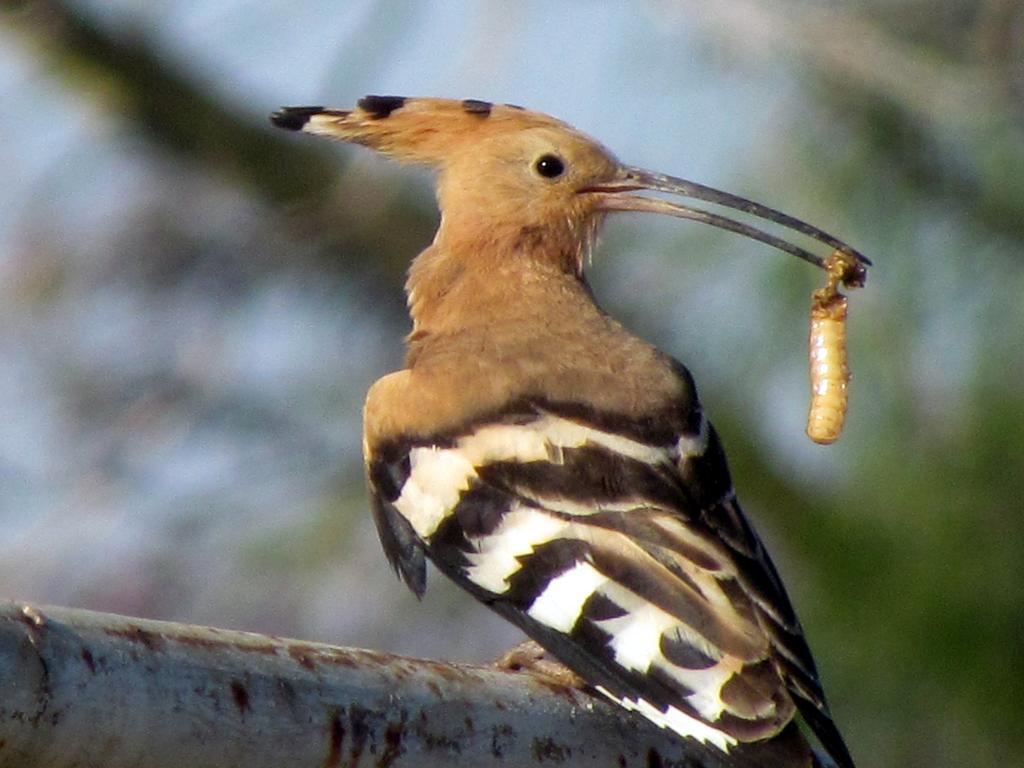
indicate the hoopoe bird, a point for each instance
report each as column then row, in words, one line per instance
column 556, row 467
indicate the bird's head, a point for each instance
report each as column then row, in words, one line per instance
column 511, row 176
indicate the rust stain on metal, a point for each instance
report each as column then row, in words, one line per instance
column 194, row 641
column 358, row 717
column 215, row 643
column 432, row 741
column 502, row 737
column 335, row 657
column 558, row 688
column 446, row 671
column 302, row 656
column 336, row 734
column 547, row 749
column 358, row 658
column 208, row 693
column 89, row 661
column 266, row 649
column 436, row 740
column 240, row 694
column 400, row 671
column 393, row 748
column 136, row 634
column 207, row 638
column 309, row 656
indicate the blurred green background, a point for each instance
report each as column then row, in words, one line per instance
column 192, row 306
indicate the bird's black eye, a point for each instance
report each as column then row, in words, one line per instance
column 549, row 166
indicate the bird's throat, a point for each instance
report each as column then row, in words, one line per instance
column 497, row 275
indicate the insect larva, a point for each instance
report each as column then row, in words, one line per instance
column 830, row 374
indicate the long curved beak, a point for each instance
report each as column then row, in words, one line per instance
column 613, row 196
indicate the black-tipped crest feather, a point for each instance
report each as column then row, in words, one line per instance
column 294, row 118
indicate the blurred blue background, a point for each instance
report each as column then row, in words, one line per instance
column 192, row 306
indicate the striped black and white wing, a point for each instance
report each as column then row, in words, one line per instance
column 624, row 553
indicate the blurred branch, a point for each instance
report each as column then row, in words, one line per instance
column 177, row 112
column 917, row 98
column 83, row 688
column 838, row 42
